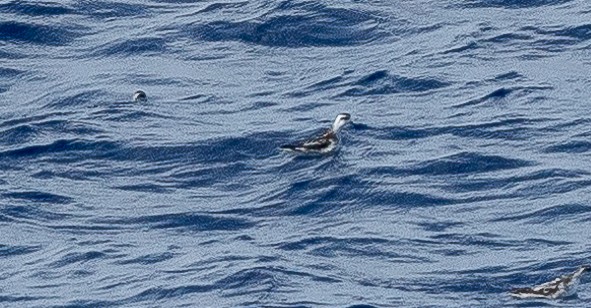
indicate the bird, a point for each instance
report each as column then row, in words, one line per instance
column 139, row 96
column 324, row 143
column 560, row 287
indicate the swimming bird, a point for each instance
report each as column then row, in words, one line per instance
column 139, row 96
column 559, row 287
column 323, row 143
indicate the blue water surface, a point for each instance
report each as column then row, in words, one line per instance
column 466, row 170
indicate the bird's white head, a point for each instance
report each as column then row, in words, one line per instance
column 340, row 121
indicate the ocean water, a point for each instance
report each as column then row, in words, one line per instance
column 466, row 170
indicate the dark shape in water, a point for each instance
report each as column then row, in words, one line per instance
column 324, row 143
column 559, row 287
column 139, row 96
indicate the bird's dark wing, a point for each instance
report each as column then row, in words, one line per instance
column 543, row 290
column 319, row 142
column 314, row 144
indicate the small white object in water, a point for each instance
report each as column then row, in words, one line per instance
column 559, row 287
column 139, row 96
column 323, row 143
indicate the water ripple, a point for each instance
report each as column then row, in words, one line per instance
column 36, row 9
column 514, row 4
column 467, row 162
column 552, row 214
column 293, row 25
column 24, row 32
column 182, row 222
column 145, row 45
column 381, row 82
